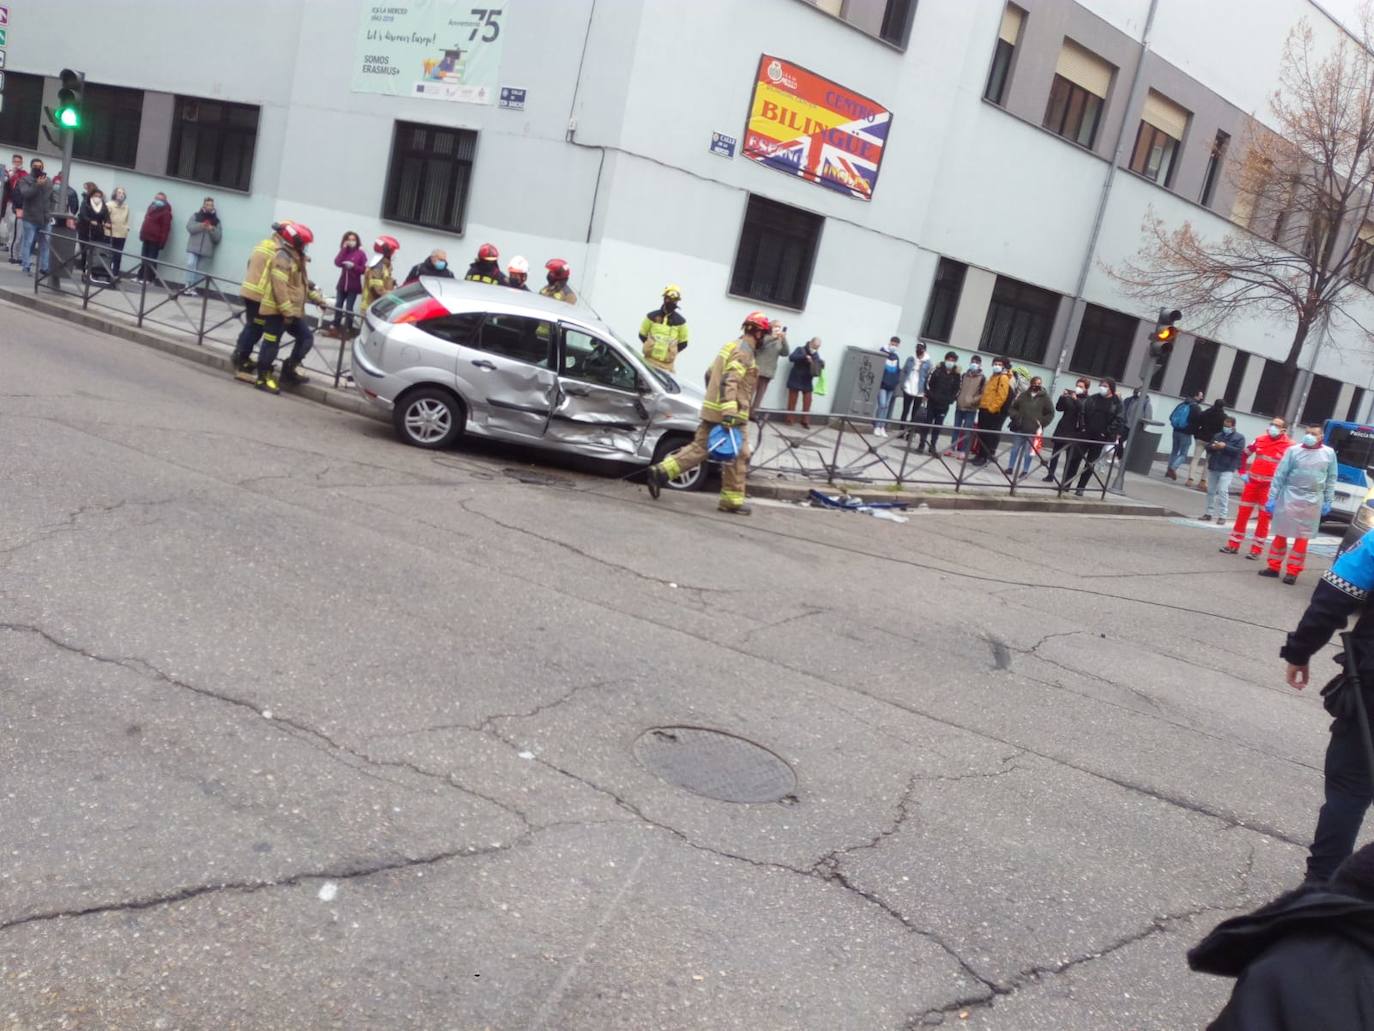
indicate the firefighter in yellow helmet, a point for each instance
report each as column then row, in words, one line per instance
column 730, row 389
column 664, row 331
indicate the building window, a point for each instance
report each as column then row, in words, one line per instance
column 111, row 116
column 431, row 169
column 777, row 250
column 1081, row 82
column 1352, row 414
column 896, row 25
column 1362, row 255
column 1267, row 393
column 944, row 300
column 1200, row 365
column 1019, row 320
column 1157, row 377
column 1162, row 125
column 1322, row 396
column 23, row 107
column 1007, row 37
column 889, row 20
column 1215, row 163
column 1319, row 228
column 1104, row 343
column 1236, row 379
column 213, row 142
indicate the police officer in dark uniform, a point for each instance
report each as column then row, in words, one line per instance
column 1342, row 592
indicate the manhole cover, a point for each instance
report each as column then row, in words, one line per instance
column 715, row 764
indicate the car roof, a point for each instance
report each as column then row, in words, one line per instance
column 464, row 295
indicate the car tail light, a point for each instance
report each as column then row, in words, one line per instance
column 429, row 308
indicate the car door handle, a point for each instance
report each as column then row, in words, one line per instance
column 482, row 363
column 577, row 391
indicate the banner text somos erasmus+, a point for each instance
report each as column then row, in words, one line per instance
column 818, row 130
column 433, row 49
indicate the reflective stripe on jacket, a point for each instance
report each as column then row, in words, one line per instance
column 663, row 334
column 377, row 282
column 287, row 286
column 254, row 286
column 563, row 293
column 730, row 384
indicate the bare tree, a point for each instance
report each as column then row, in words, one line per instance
column 1304, row 190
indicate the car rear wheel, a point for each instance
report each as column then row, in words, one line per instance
column 693, row 479
column 429, row 418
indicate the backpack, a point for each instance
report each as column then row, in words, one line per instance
column 1180, row 418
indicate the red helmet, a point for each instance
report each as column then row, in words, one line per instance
column 558, row 268
column 386, row 245
column 297, row 235
column 758, row 320
column 488, row 252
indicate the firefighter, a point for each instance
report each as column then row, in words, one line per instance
column 517, row 272
column 283, row 307
column 558, row 273
column 730, row 387
column 664, row 331
column 487, row 267
column 252, row 288
column 1301, row 493
column 1257, row 465
column 380, row 280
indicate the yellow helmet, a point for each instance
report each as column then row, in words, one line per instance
column 672, row 292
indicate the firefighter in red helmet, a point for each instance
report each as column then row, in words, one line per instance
column 283, row 309
column 487, row 267
column 380, row 280
column 558, row 288
column 730, row 389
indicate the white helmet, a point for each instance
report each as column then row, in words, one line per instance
column 520, row 265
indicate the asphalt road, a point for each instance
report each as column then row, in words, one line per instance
column 307, row 729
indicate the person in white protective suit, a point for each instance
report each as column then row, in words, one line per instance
column 1301, row 493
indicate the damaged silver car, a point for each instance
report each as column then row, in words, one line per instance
column 448, row 357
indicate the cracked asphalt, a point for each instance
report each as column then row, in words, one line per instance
column 308, row 729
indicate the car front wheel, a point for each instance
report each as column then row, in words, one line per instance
column 429, row 418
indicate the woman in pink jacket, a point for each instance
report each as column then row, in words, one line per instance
column 352, row 263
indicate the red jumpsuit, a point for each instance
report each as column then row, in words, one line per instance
column 1262, row 458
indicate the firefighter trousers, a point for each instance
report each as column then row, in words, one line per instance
column 732, row 474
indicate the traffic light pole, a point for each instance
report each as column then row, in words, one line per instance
column 1133, row 427
column 61, row 214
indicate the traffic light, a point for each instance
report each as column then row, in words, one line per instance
column 1162, row 339
column 67, row 115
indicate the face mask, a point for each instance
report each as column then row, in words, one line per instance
column 1230, row 429
column 1274, row 431
column 975, row 367
column 440, row 264
column 1102, row 391
column 949, row 365
column 159, row 203
column 996, row 369
column 1308, row 440
column 1035, row 388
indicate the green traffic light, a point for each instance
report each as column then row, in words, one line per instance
column 68, row 118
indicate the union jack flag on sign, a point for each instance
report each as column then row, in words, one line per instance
column 811, row 127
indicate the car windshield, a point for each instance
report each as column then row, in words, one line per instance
column 1354, row 445
column 645, row 370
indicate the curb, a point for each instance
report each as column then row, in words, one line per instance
column 341, row 399
column 967, row 502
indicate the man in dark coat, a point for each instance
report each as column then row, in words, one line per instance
column 1204, row 430
column 1304, row 962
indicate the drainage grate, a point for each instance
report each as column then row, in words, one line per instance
column 715, row 764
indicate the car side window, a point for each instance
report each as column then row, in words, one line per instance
column 591, row 360
column 519, row 338
column 456, row 329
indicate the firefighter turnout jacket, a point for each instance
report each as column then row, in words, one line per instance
column 288, row 288
column 559, row 293
column 730, row 384
column 663, row 334
column 378, row 282
column 486, row 272
column 255, row 282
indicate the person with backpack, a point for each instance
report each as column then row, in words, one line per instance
column 993, row 408
column 1185, row 414
column 1204, row 431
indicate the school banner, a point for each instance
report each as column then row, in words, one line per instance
column 808, row 126
column 433, row 49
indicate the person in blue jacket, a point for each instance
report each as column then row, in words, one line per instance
column 1223, row 458
column 1342, row 592
column 887, row 388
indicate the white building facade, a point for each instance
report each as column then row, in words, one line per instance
column 1022, row 148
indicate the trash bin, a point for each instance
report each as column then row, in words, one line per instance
column 1140, row 456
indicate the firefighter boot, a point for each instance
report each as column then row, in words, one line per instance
column 267, row 380
column 291, row 375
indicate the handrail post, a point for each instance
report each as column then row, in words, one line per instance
column 204, row 307
column 1111, row 467
column 142, row 294
column 835, row 458
column 963, row 467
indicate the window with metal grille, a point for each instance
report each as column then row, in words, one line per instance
column 22, row 110
column 1267, row 400
column 430, row 175
column 1104, row 343
column 110, row 120
column 1073, row 112
column 1200, row 365
column 1322, row 396
column 1019, row 320
column 213, row 142
column 777, row 252
column 944, row 300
